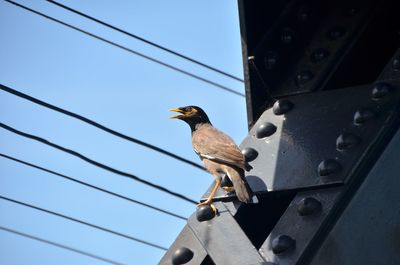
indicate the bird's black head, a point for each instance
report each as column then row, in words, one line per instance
column 192, row 115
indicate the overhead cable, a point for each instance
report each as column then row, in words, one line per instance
column 98, row 164
column 129, row 50
column 93, row 186
column 84, row 223
column 98, row 125
column 135, row 36
column 78, row 251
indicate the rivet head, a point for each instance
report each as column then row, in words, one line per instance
column 362, row 116
column 204, row 213
column 396, row 63
column 380, row 90
column 336, row 33
column 270, row 59
column 226, row 181
column 328, row 167
column 282, row 106
column 265, row 129
column 319, row 55
column 282, row 243
column 303, row 14
column 346, row 141
column 309, row 206
column 303, row 77
column 249, row 154
column 181, row 256
column 287, row 36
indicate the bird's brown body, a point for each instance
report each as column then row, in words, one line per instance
column 217, row 150
column 220, row 156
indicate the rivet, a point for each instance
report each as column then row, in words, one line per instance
column 226, row 181
column 249, row 154
column 396, row 63
column 351, row 11
column 270, row 59
column 363, row 115
column 303, row 77
column 303, row 14
column 282, row 106
column 282, row 243
column 181, row 256
column 309, row 206
column 204, row 213
column 336, row 33
column 328, row 167
column 380, row 90
column 265, row 129
column 319, row 55
column 346, row 141
column 287, row 36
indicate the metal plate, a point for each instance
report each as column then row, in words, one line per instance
column 301, row 228
column 368, row 230
column 224, row 240
column 185, row 239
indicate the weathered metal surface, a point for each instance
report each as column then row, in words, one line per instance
column 224, row 240
column 185, row 239
column 368, row 231
column 300, row 227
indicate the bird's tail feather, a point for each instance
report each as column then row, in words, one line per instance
column 242, row 191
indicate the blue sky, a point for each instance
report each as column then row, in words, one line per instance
column 124, row 92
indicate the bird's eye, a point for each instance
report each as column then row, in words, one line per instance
column 188, row 109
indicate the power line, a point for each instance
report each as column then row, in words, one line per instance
column 97, row 125
column 128, row 49
column 92, row 186
column 59, row 245
column 98, row 164
column 84, row 223
column 144, row 40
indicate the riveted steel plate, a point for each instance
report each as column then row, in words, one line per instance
column 224, row 240
column 185, row 239
column 307, row 135
column 302, row 229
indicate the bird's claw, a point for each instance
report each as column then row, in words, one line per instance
column 228, row 189
column 212, row 206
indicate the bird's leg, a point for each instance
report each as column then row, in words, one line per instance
column 209, row 199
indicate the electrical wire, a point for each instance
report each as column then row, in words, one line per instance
column 59, row 245
column 98, row 164
column 84, row 223
column 92, row 186
column 128, row 49
column 98, row 125
column 144, row 40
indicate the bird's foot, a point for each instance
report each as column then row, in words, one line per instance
column 228, row 189
column 212, row 206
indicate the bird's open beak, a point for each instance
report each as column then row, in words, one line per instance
column 179, row 111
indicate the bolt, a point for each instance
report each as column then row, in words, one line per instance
column 380, row 90
column 282, row 243
column 226, row 182
column 249, row 154
column 346, row 141
column 396, row 63
column 309, row 206
column 270, row 59
column 303, row 14
column 303, row 77
column 282, row 106
column 205, row 213
column 336, row 33
column 362, row 116
column 319, row 55
column 265, row 129
column 328, row 167
column 287, row 36
column 181, row 256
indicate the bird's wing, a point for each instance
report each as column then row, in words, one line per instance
column 212, row 144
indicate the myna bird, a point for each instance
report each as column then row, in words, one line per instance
column 217, row 150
